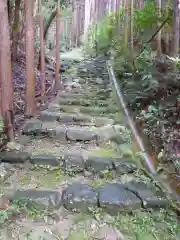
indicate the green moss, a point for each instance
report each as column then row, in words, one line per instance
column 43, row 178
column 79, row 235
column 104, row 152
column 119, row 117
column 149, row 226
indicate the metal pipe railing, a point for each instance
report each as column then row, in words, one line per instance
column 138, row 138
column 131, row 123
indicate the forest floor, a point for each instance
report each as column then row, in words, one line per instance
column 74, row 173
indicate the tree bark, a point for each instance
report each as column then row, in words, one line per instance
column 48, row 24
column 158, row 39
column 132, row 28
column 6, row 69
column 42, row 57
column 30, row 74
column 126, row 23
column 16, row 29
column 176, row 27
column 57, row 77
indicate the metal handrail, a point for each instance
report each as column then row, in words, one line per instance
column 131, row 123
column 138, row 138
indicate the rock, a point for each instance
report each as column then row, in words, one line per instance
column 23, row 139
column 80, row 135
column 66, row 118
column 108, row 233
column 76, row 80
column 82, row 81
column 13, row 146
column 124, row 166
column 14, row 157
column 46, row 160
column 32, row 127
column 4, row 203
column 98, row 164
column 99, row 81
column 114, row 198
column 103, row 121
column 150, row 198
column 49, row 116
column 58, row 133
column 53, row 107
column 74, row 161
column 107, row 132
column 4, row 171
column 88, row 174
column 44, row 198
column 79, row 197
column 76, row 85
column 82, row 118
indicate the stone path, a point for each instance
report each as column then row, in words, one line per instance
column 73, row 172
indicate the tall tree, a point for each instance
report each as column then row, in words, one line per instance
column 132, row 28
column 42, row 57
column 126, row 23
column 30, row 73
column 16, row 28
column 6, row 69
column 57, row 78
column 158, row 38
column 176, row 26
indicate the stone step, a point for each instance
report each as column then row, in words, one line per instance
column 96, row 111
column 112, row 198
column 83, row 96
column 85, row 103
column 70, row 160
column 60, row 133
column 73, row 161
column 89, row 88
column 97, row 95
column 73, row 119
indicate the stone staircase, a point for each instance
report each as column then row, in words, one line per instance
column 73, row 170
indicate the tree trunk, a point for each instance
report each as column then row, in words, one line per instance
column 10, row 11
column 42, row 57
column 158, row 39
column 57, row 77
column 176, row 27
column 126, row 24
column 48, row 24
column 16, row 29
column 132, row 29
column 6, row 70
column 30, row 74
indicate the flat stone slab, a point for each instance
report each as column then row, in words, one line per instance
column 115, row 198
column 79, row 197
column 149, row 197
column 100, row 121
column 82, row 118
column 74, row 162
column 58, row 133
column 43, row 198
column 98, row 164
column 49, row 116
column 14, row 157
column 80, row 135
column 46, row 160
column 124, row 166
column 83, row 102
column 108, row 233
column 32, row 127
column 53, row 107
